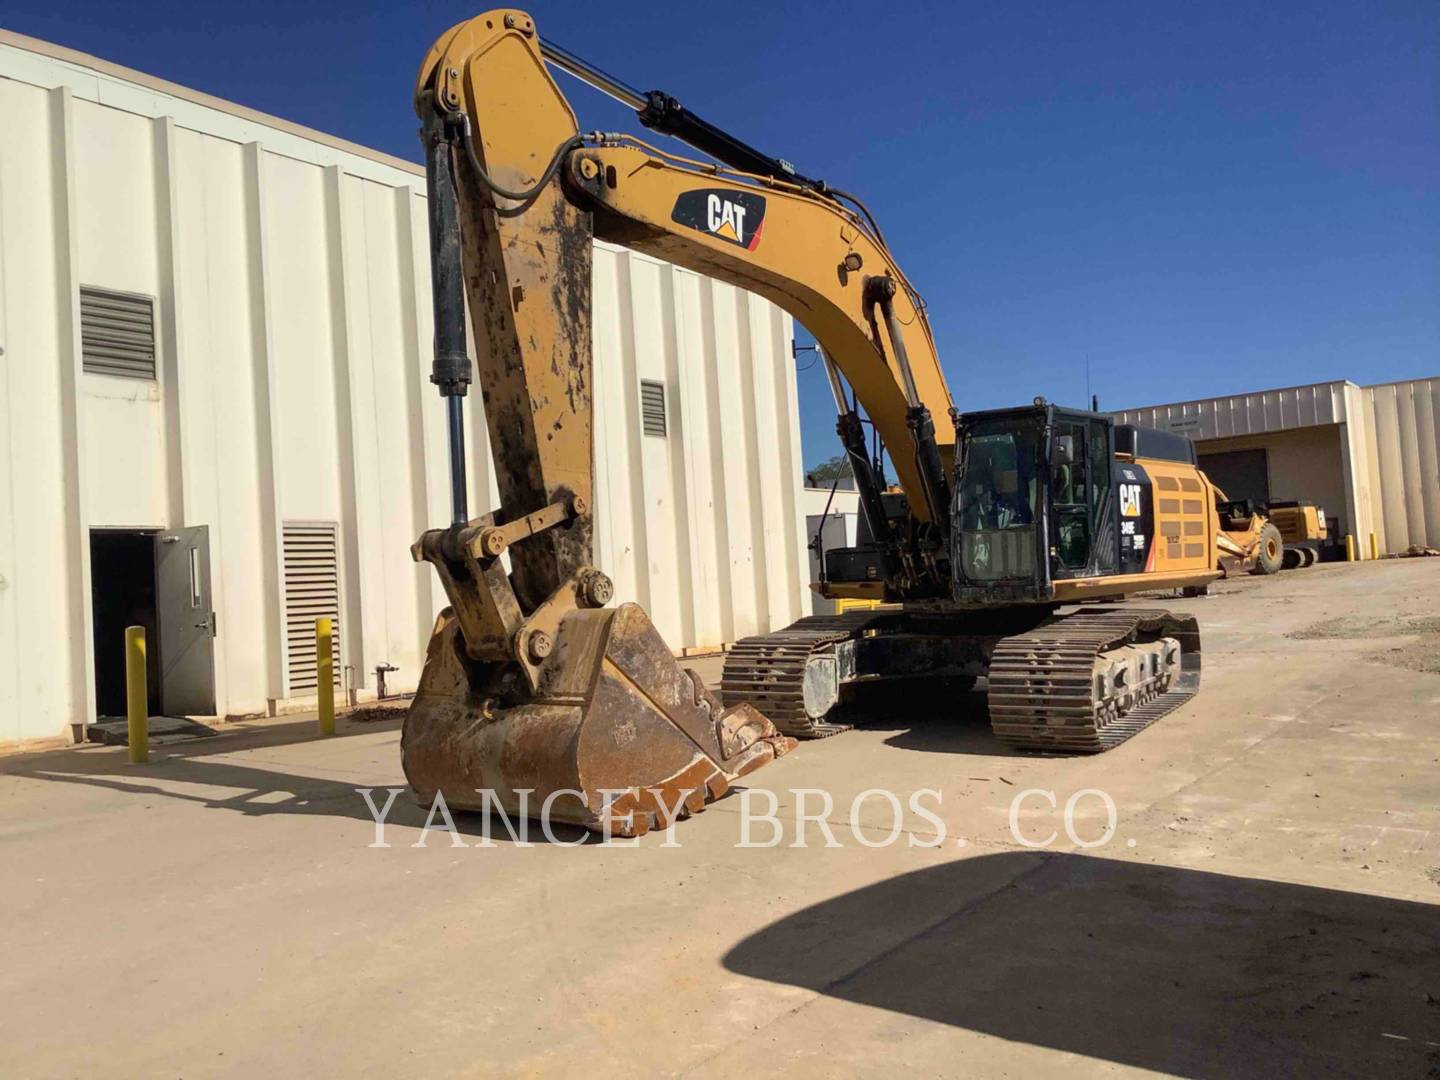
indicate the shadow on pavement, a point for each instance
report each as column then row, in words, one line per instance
column 1154, row 967
column 182, row 771
column 922, row 719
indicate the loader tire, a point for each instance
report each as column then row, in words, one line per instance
column 1270, row 552
column 1293, row 559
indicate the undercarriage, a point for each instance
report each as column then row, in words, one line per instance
column 1076, row 681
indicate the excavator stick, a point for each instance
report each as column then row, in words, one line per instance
column 533, row 690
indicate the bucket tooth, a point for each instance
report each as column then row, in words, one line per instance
column 618, row 737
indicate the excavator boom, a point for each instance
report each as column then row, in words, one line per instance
column 752, row 221
column 535, row 694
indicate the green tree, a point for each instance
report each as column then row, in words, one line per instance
column 827, row 472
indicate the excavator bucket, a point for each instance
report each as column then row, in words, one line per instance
column 535, row 696
column 623, row 740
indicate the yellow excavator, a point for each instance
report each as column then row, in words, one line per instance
column 540, row 697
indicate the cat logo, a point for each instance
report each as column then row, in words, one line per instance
column 733, row 216
column 1129, row 500
column 724, row 217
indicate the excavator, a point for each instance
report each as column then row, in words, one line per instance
column 536, row 693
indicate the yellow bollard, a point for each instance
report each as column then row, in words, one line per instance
column 325, row 675
column 1349, row 548
column 137, row 695
column 1374, row 547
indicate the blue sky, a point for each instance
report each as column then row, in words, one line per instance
column 1199, row 198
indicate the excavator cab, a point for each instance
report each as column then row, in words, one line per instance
column 1000, row 501
column 1034, row 502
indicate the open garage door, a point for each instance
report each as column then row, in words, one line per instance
column 1241, row 474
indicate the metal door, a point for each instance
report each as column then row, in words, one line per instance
column 1241, row 474
column 186, row 621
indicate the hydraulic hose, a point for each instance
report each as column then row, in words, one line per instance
column 528, row 195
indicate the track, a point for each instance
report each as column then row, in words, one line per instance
column 768, row 670
column 1042, row 694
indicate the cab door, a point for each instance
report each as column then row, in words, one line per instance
column 1104, row 519
column 1083, row 541
column 1070, row 539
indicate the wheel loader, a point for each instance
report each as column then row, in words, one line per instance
column 538, row 695
column 1301, row 528
column 1306, row 531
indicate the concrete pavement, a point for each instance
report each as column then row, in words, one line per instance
column 1269, row 901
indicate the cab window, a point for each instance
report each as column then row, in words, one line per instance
column 1070, row 494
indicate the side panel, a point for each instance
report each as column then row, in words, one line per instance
column 223, row 398
column 1136, row 507
column 1403, row 424
column 1185, row 521
column 126, row 465
column 1104, row 501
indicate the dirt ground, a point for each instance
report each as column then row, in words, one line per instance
column 1266, row 903
column 1413, row 642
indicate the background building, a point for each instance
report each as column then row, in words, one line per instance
column 832, row 516
column 215, row 415
column 1368, row 454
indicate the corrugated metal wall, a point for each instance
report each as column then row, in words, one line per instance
column 1402, row 422
column 1245, row 414
column 292, row 312
column 1388, row 435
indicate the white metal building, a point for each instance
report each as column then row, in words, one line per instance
column 832, row 515
column 216, row 334
column 1368, row 454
